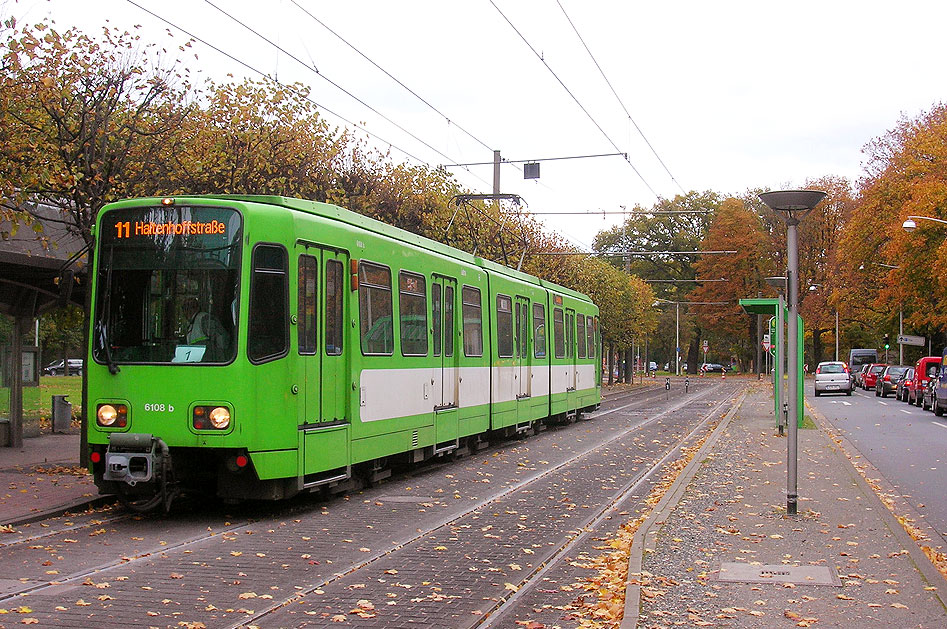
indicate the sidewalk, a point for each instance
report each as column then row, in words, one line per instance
column 42, row 479
column 720, row 551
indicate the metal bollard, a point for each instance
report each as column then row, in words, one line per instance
column 686, row 384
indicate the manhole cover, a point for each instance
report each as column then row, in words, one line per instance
column 778, row 573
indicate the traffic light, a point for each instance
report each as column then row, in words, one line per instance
column 887, row 344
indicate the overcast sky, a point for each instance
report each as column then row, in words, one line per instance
column 730, row 95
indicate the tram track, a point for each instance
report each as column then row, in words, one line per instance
column 179, row 548
column 583, row 530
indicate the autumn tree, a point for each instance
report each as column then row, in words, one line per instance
column 82, row 119
column 734, row 228
column 670, row 225
column 882, row 269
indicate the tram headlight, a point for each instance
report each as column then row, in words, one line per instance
column 220, row 418
column 211, row 418
column 112, row 415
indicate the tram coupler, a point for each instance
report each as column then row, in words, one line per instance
column 133, row 457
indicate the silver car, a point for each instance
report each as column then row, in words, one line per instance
column 832, row 377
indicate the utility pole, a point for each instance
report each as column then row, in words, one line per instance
column 496, row 172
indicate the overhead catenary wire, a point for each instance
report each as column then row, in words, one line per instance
column 274, row 80
column 392, row 77
column 574, row 98
column 617, row 97
column 334, row 84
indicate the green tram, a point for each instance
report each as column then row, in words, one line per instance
column 258, row 346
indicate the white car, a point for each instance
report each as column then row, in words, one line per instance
column 832, row 377
column 56, row 368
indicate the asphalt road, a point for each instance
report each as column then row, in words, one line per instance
column 906, row 444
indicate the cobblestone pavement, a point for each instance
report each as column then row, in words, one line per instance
column 439, row 547
column 733, row 511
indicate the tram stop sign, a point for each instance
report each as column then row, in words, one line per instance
column 772, row 336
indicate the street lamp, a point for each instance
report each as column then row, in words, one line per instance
column 909, row 225
column 793, row 206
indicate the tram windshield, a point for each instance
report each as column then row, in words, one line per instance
column 167, row 286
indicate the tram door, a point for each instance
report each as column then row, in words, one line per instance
column 572, row 369
column 444, row 313
column 320, row 318
column 522, row 378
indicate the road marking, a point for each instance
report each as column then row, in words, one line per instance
column 846, row 403
column 906, row 412
column 941, row 425
column 880, row 402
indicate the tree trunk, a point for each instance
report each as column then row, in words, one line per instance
column 817, row 347
column 611, row 362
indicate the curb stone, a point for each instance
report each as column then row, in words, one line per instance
column 667, row 503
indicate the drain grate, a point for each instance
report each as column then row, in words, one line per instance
column 777, row 573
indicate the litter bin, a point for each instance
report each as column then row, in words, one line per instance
column 62, row 413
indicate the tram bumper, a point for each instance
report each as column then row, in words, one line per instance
column 132, row 458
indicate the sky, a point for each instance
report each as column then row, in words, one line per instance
column 726, row 96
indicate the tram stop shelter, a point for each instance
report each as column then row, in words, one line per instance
column 40, row 269
column 777, row 308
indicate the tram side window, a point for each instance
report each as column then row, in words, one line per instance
column 598, row 335
column 334, row 313
column 268, row 335
column 306, row 304
column 473, row 321
column 412, row 310
column 374, row 308
column 570, row 335
column 580, row 335
column 504, row 327
column 559, row 332
column 590, row 336
column 539, row 331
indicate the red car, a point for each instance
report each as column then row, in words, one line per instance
column 924, row 369
column 870, row 379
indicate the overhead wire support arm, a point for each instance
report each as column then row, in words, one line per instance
column 545, row 159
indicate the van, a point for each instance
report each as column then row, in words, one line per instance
column 860, row 357
column 925, row 369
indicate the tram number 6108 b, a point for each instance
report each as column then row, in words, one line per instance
column 159, row 408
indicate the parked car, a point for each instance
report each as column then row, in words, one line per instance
column 832, row 377
column 870, row 375
column 903, row 384
column 860, row 375
column 929, row 395
column 924, row 369
column 56, row 367
column 888, row 378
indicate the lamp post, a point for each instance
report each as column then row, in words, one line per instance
column 677, row 322
column 793, row 206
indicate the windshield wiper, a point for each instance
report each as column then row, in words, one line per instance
column 103, row 336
